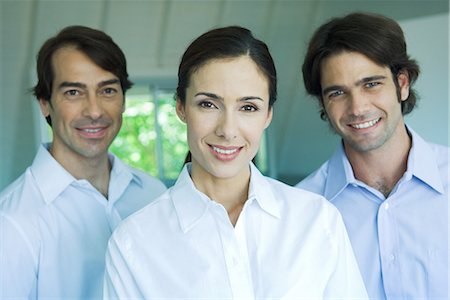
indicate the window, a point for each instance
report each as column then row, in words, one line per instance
column 152, row 138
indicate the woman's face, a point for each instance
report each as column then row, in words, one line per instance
column 226, row 112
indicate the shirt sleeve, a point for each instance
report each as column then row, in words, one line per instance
column 346, row 281
column 119, row 281
column 18, row 264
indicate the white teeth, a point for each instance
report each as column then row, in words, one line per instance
column 366, row 124
column 92, row 130
column 223, row 151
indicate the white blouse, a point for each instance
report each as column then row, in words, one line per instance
column 287, row 244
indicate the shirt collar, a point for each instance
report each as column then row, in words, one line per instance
column 191, row 204
column 261, row 190
column 121, row 176
column 52, row 179
column 422, row 163
column 338, row 165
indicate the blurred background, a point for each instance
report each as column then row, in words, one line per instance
column 154, row 34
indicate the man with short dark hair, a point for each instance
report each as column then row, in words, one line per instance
column 56, row 218
column 390, row 186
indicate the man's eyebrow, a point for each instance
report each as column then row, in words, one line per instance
column 332, row 88
column 72, row 84
column 108, row 82
column 369, row 79
column 357, row 83
column 83, row 86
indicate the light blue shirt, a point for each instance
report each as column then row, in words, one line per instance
column 400, row 242
column 287, row 243
column 54, row 229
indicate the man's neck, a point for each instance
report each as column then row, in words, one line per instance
column 383, row 167
column 95, row 170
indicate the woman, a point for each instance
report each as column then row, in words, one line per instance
column 224, row 231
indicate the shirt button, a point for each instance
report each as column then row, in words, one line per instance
column 392, row 257
column 386, row 206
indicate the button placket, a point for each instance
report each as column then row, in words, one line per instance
column 236, row 257
column 388, row 241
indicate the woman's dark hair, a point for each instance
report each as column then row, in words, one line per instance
column 377, row 37
column 226, row 42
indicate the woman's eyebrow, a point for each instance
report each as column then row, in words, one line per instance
column 209, row 95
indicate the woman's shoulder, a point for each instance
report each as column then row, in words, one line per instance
column 298, row 199
column 150, row 216
column 291, row 192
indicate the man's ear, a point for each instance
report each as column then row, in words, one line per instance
column 124, row 104
column 403, row 84
column 45, row 107
column 180, row 111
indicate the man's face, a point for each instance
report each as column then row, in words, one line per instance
column 361, row 101
column 86, row 108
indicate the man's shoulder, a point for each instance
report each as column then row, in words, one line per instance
column 20, row 194
column 291, row 192
column 143, row 179
column 21, row 205
column 434, row 153
column 147, row 180
column 441, row 151
column 315, row 182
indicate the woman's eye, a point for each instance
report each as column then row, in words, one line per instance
column 249, row 108
column 206, row 104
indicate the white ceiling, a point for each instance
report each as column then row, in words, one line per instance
column 153, row 34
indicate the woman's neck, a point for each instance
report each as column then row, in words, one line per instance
column 231, row 192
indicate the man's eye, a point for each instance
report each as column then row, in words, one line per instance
column 372, row 84
column 72, row 93
column 335, row 94
column 109, row 91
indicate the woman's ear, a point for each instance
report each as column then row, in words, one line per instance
column 180, row 111
column 269, row 117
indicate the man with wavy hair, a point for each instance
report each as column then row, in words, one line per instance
column 390, row 185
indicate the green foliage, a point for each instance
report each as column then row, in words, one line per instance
column 159, row 152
